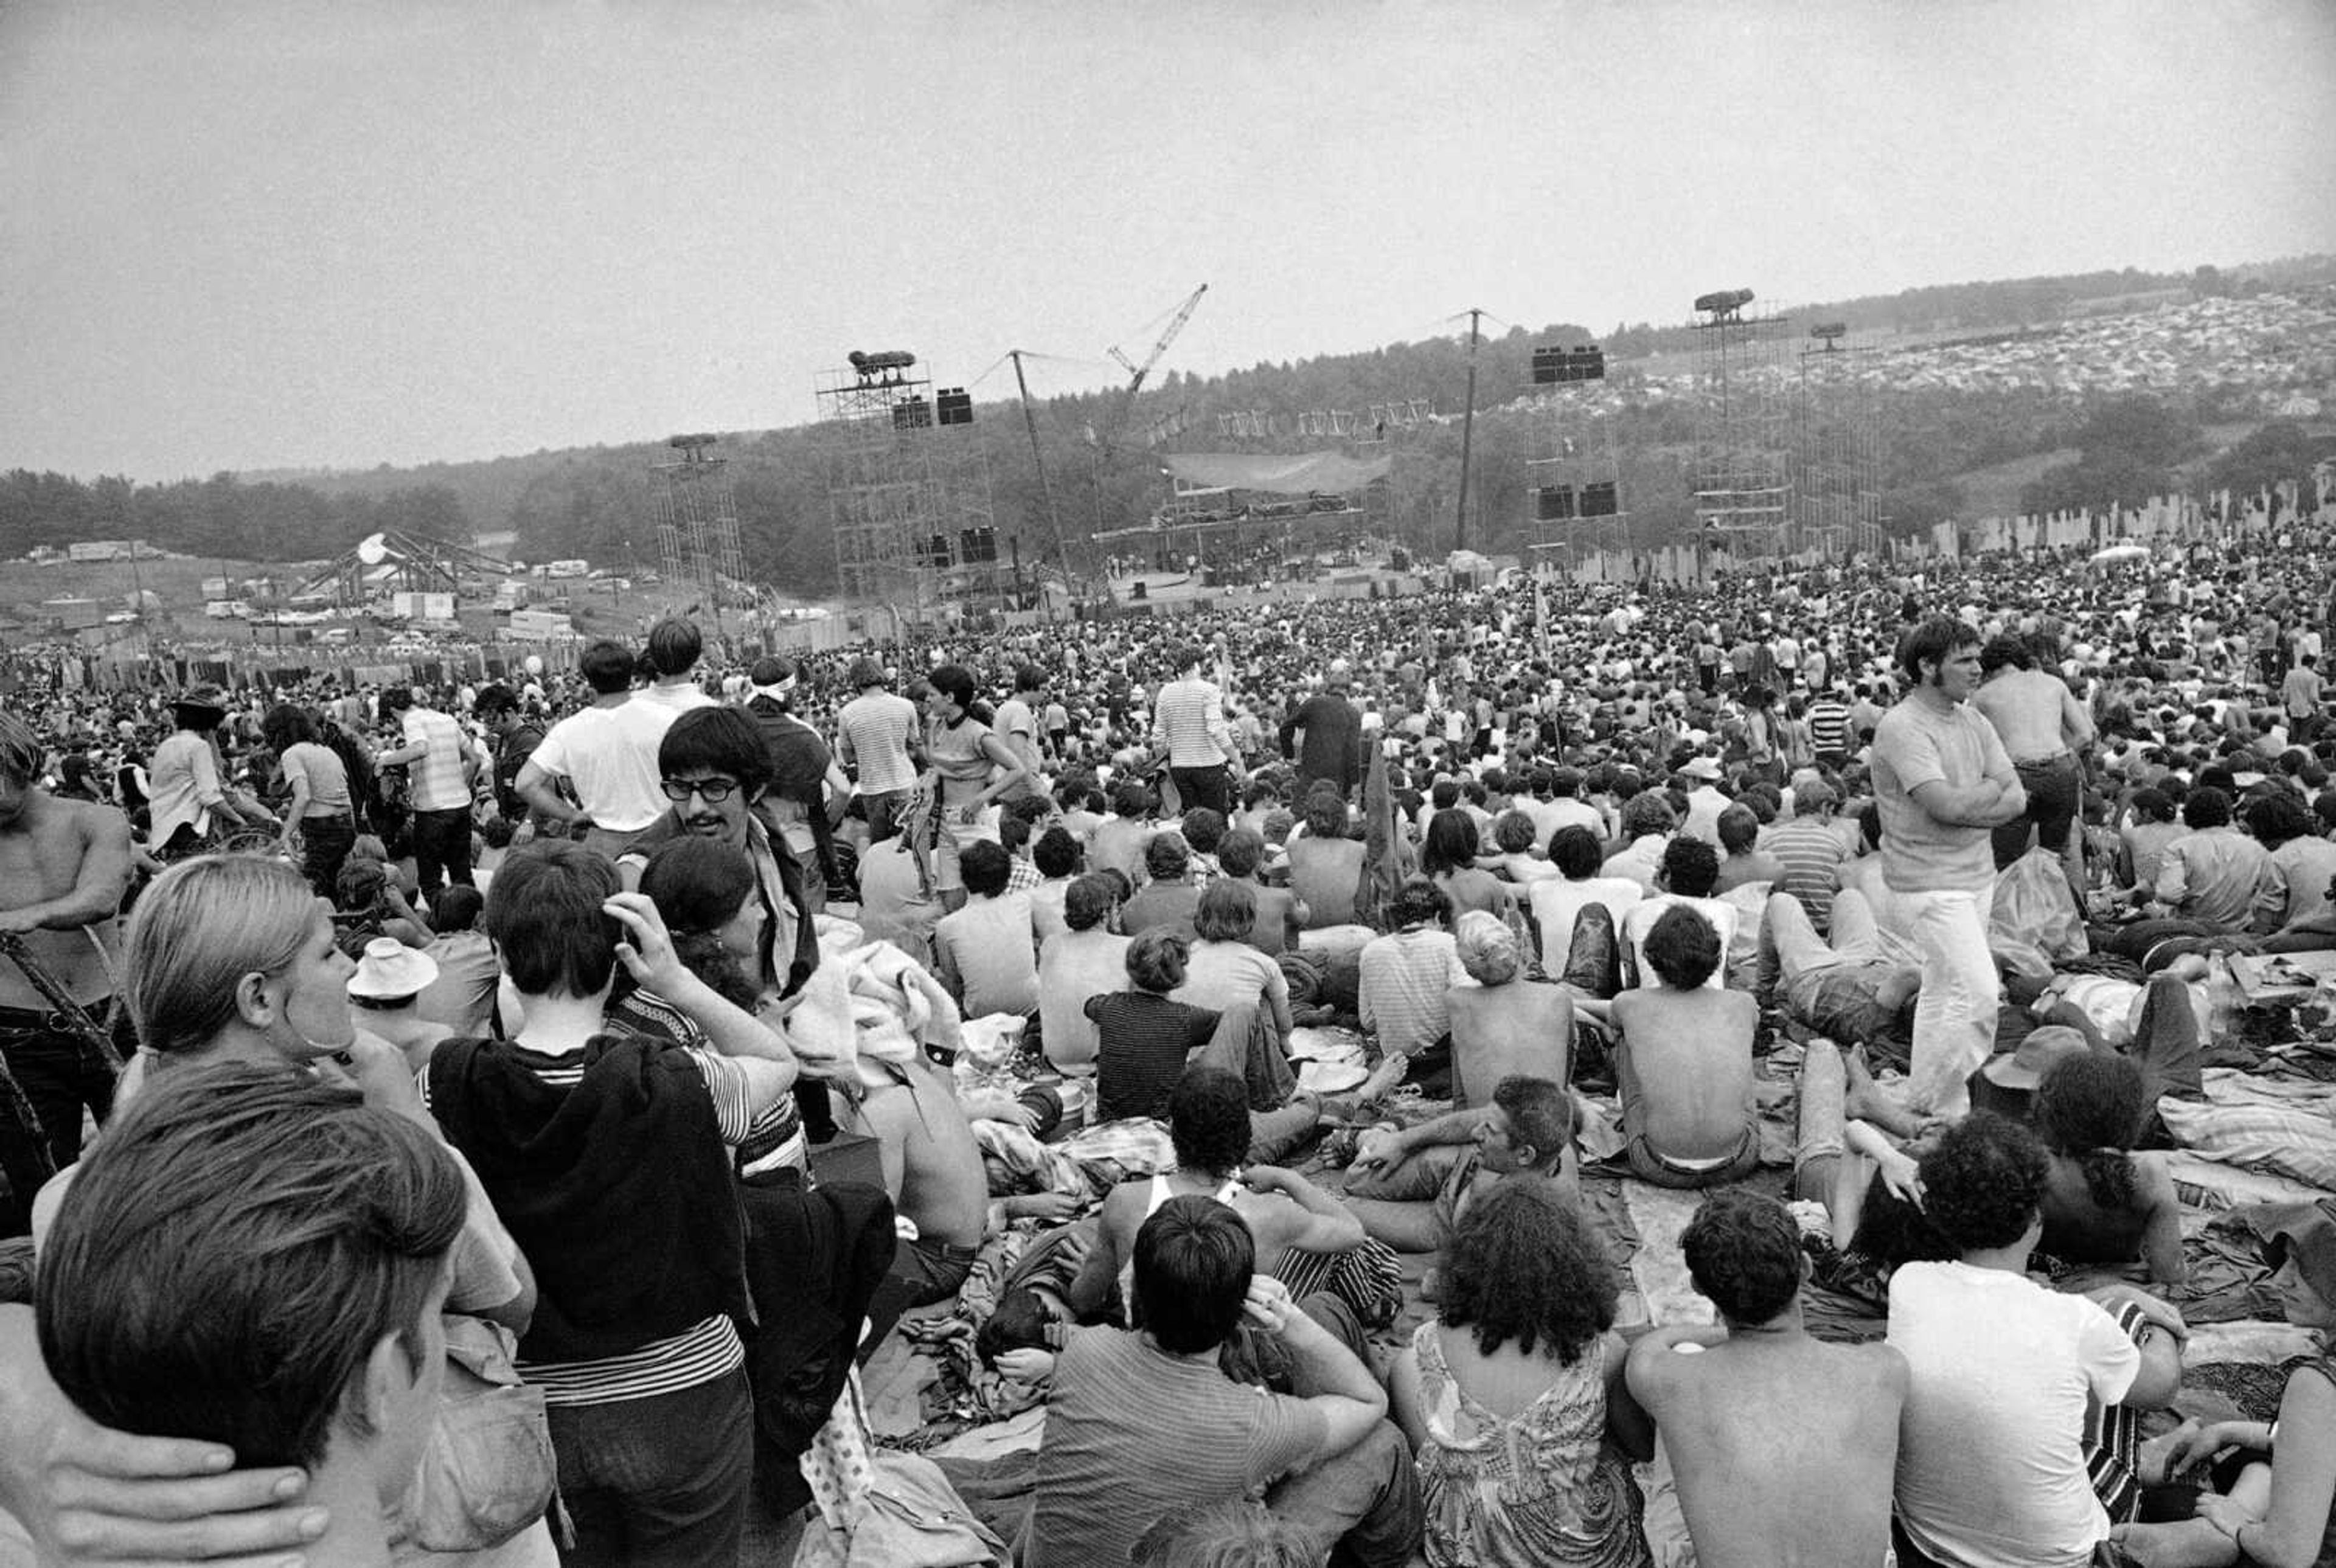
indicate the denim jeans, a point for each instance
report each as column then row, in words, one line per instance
column 60, row 1073
column 442, row 848
column 1954, row 1015
column 1210, row 786
column 657, row 1481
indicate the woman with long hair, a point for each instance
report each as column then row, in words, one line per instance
column 1513, row 1398
column 2105, row 1203
column 706, row 893
column 1448, row 859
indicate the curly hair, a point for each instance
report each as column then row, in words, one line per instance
column 1983, row 1180
column 1208, row 1121
column 1326, row 813
column 1575, row 852
column 1523, row 1267
column 1648, row 813
column 2090, row 1107
column 1512, row 833
column 1743, row 1251
column 1682, row 948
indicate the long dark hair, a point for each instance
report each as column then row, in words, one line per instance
column 2089, row 1108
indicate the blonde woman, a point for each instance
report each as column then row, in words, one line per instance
column 232, row 958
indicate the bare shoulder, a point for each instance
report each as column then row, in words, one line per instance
column 1876, row 1359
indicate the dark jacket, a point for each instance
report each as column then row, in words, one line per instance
column 815, row 1259
column 618, row 1190
column 1333, row 748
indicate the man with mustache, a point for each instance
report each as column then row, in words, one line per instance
column 714, row 769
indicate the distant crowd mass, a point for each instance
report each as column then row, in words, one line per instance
column 1196, row 1090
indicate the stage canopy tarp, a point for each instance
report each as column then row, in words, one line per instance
column 1303, row 474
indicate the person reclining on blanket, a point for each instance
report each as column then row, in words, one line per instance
column 1142, row 1422
column 1409, row 1185
column 1783, row 1446
column 1208, row 1125
column 1683, row 1060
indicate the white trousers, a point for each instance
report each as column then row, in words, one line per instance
column 1954, row 1017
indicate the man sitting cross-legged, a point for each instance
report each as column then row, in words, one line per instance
column 1409, row 1185
column 1142, row 1422
column 1783, row 1446
column 1683, row 1062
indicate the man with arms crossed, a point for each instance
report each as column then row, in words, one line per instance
column 64, row 865
column 1783, row 1446
column 1943, row 780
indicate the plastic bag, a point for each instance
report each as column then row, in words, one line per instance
column 2033, row 905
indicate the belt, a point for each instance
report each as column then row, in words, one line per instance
column 2057, row 756
column 35, row 1020
column 947, row 1252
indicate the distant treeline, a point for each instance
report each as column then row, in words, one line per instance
column 600, row 502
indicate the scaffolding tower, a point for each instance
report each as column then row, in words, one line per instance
column 1576, row 491
column 1742, row 472
column 908, row 487
column 697, row 525
column 1837, row 445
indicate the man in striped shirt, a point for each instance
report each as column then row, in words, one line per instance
column 1811, row 851
column 442, row 770
column 1188, row 725
column 1828, row 719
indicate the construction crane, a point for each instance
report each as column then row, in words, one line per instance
column 1137, row 372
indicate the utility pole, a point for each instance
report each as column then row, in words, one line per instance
column 1045, row 495
column 1468, row 433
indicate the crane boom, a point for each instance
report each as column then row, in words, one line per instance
column 1139, row 372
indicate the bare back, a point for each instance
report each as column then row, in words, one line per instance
column 1520, row 1027
column 2027, row 708
column 1785, row 1449
column 1690, row 1053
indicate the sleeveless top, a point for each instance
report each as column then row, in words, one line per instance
column 1543, row 1486
column 1160, row 1193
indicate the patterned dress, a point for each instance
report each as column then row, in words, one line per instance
column 1540, row 1487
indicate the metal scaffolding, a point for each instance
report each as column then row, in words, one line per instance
column 1575, row 491
column 697, row 525
column 1742, row 472
column 1837, row 445
column 908, row 487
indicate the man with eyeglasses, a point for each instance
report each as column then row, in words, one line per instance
column 714, row 769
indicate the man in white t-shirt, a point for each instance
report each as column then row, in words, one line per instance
column 607, row 754
column 675, row 647
column 1993, row 1466
column 1942, row 780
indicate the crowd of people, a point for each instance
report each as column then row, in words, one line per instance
column 493, row 1120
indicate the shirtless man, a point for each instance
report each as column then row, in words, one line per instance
column 64, row 868
column 2043, row 727
column 1683, row 1062
column 1784, row 1448
column 1209, row 1123
column 1502, row 1024
column 932, row 1168
column 1409, row 1185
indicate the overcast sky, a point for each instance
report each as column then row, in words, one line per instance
column 244, row 235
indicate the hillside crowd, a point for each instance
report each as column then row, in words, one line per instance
column 495, row 1121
